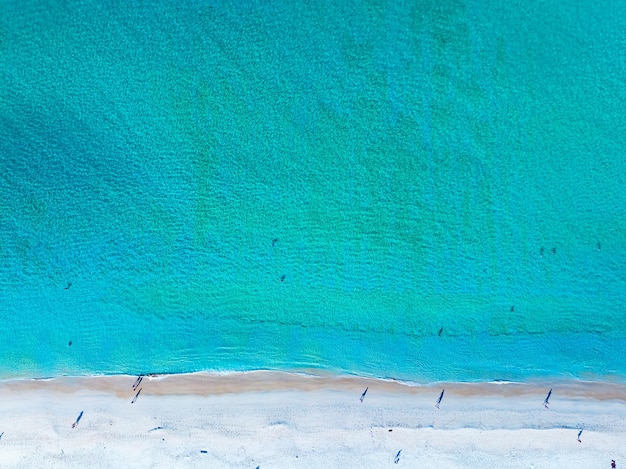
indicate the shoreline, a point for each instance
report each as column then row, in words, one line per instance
column 204, row 383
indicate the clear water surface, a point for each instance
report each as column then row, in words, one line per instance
column 417, row 190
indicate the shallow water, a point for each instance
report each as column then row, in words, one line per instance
column 425, row 193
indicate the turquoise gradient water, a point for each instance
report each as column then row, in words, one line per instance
column 417, row 190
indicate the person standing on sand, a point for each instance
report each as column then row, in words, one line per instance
column 546, row 402
column 440, row 397
column 80, row 416
column 137, row 382
column 580, row 433
column 136, row 396
column 364, row 393
column 612, row 463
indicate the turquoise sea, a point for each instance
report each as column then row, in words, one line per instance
column 414, row 190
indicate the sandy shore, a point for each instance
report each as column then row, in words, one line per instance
column 289, row 420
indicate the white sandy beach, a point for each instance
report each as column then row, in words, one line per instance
column 283, row 420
